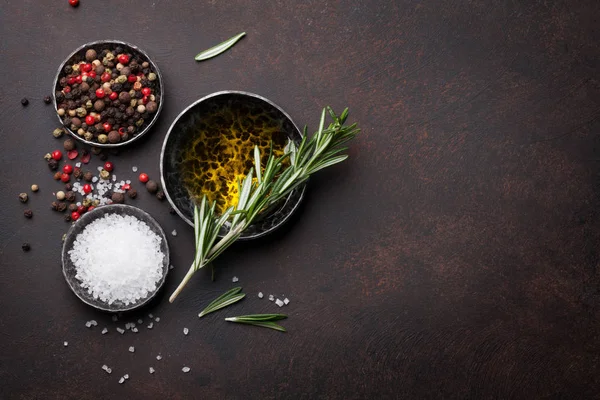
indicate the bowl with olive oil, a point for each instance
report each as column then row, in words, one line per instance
column 209, row 149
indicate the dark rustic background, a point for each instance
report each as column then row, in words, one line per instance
column 455, row 255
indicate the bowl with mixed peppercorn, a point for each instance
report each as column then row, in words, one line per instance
column 108, row 93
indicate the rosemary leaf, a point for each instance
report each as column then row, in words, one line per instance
column 271, row 325
column 224, row 300
column 262, row 320
column 218, row 49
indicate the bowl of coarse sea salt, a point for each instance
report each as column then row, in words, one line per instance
column 115, row 258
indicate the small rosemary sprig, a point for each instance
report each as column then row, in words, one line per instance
column 224, row 300
column 262, row 320
column 325, row 148
column 218, row 49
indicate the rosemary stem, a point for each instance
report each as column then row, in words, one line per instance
column 184, row 282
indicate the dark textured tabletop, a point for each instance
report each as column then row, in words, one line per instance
column 454, row 255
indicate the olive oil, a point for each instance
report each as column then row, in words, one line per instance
column 220, row 151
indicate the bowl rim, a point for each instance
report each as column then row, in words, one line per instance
column 182, row 113
column 84, row 220
column 100, row 42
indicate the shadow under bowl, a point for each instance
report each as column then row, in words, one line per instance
column 226, row 111
column 69, row 270
column 78, row 55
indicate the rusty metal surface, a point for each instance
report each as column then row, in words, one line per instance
column 453, row 256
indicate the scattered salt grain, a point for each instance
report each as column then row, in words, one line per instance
column 109, row 370
column 65, row 344
column 104, row 331
column 234, row 279
column 159, row 357
column 101, row 272
column 150, row 325
column 115, row 318
column 171, row 266
column 99, row 169
column 185, row 369
column 271, row 297
column 88, row 324
column 121, row 330
column 114, row 178
column 78, row 165
column 140, row 321
column 286, row 301
column 106, row 369
column 174, row 233
column 260, row 295
column 134, row 330
column 121, row 380
column 128, row 181
column 279, row 302
column 134, row 168
column 151, row 370
column 150, row 316
column 93, row 323
column 157, row 319
column 95, row 179
column 131, row 349
column 126, row 376
column 186, row 331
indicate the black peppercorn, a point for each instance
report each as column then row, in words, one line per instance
column 24, row 101
column 122, row 108
column 61, row 207
column 110, row 112
column 152, row 186
column 70, row 196
column 54, row 205
column 67, row 217
column 68, row 69
column 52, row 164
column 25, row 247
column 96, row 150
column 68, row 96
column 160, row 195
column 28, row 213
column 76, row 92
column 77, row 173
column 118, row 198
column 72, row 207
column 132, row 193
column 93, row 96
column 60, row 96
column 111, row 120
column 62, row 82
column 47, row 99
column 88, row 176
column 118, row 50
column 69, row 144
column 116, row 87
column 68, row 187
column 172, row 210
column 103, row 156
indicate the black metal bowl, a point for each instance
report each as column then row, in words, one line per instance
column 182, row 131
column 69, row 270
column 100, row 45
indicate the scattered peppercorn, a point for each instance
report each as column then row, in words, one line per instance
column 104, row 174
column 75, row 215
column 68, row 187
column 172, row 210
column 58, row 132
column 57, row 175
column 35, row 188
column 67, row 217
column 73, row 207
column 60, row 195
column 28, row 213
column 70, row 196
column 23, row 197
column 118, row 198
column 65, row 177
column 160, row 195
column 69, row 144
column 74, row 3
column 47, row 99
column 132, row 193
column 152, row 186
column 144, row 177
column 24, row 101
column 57, row 155
column 78, row 173
column 54, row 205
column 25, row 247
column 88, row 176
column 52, row 164
column 61, row 207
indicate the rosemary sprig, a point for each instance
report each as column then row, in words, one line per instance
column 224, row 300
column 272, row 184
column 262, row 320
column 218, row 49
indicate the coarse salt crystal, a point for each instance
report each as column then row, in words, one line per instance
column 88, row 324
column 126, row 376
column 185, row 369
column 121, row 380
column 286, row 301
column 78, row 165
column 151, row 370
column 109, row 370
column 140, row 321
column 150, row 316
column 260, row 295
column 128, row 182
column 65, row 344
column 157, row 319
column 174, row 233
column 134, row 168
column 93, row 323
column 102, row 272
column 121, row 330
column 159, row 357
column 134, row 330
column 150, row 325
column 234, row 279
column 104, row 331
column 114, row 178
column 279, row 302
column 271, row 297
column 131, row 349
column 99, row 169
column 171, row 266
column 186, row 331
